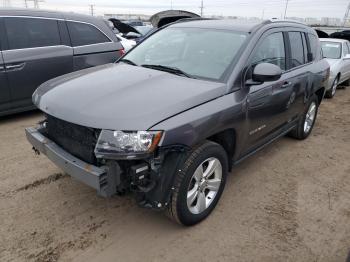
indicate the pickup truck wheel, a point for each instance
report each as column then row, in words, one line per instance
column 199, row 184
column 330, row 93
column 307, row 122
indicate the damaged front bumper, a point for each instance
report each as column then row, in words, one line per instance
column 150, row 179
column 93, row 176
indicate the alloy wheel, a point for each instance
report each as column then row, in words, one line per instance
column 204, row 185
column 310, row 117
column 334, row 87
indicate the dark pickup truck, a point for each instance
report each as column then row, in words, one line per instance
column 170, row 119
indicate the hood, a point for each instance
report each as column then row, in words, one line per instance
column 166, row 17
column 122, row 97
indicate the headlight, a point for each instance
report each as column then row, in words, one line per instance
column 123, row 144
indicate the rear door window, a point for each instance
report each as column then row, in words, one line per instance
column 85, row 34
column 31, row 32
column 271, row 50
column 297, row 49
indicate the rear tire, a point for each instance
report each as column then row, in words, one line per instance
column 199, row 184
column 307, row 121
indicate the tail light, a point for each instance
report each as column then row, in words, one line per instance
column 121, row 52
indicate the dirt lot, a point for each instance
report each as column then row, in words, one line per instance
column 289, row 202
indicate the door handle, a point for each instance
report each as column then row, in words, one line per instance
column 286, row 84
column 2, row 68
column 19, row 66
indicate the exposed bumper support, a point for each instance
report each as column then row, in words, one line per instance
column 93, row 176
column 107, row 179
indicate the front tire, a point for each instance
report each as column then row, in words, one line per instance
column 331, row 93
column 199, row 184
column 307, row 121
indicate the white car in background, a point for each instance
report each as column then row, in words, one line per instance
column 126, row 43
column 337, row 53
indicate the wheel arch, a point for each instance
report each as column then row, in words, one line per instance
column 338, row 75
column 227, row 139
column 320, row 94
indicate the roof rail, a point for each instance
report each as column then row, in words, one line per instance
column 277, row 20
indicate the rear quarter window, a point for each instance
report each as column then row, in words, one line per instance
column 31, row 32
column 314, row 46
column 85, row 34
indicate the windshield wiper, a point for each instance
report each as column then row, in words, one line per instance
column 169, row 69
column 127, row 61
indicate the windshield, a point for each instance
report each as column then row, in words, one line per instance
column 331, row 50
column 200, row 53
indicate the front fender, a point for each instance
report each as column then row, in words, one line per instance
column 195, row 125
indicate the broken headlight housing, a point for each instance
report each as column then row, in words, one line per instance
column 126, row 144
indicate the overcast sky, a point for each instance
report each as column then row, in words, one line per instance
column 270, row 8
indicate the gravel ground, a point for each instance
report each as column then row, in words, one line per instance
column 289, row 202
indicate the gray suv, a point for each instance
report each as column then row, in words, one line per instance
column 36, row 46
column 170, row 119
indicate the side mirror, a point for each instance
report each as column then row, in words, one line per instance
column 347, row 57
column 265, row 72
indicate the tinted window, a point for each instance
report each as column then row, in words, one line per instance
column 297, row 49
column 313, row 41
column 85, row 34
column 202, row 53
column 271, row 50
column 331, row 50
column 31, row 32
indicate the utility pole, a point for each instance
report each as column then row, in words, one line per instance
column 263, row 14
column 202, row 7
column 285, row 10
column 171, row 4
column 36, row 4
column 346, row 16
column 92, row 9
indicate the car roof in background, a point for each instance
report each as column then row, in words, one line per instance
column 168, row 16
column 46, row 13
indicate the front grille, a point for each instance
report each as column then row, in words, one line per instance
column 80, row 141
